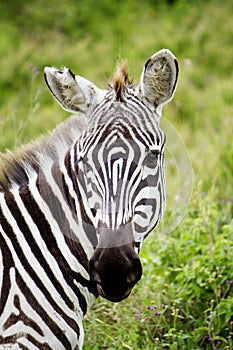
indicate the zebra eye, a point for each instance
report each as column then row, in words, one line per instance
column 152, row 158
column 94, row 212
column 80, row 159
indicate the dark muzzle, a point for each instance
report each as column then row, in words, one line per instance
column 115, row 271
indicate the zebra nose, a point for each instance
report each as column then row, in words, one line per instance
column 115, row 271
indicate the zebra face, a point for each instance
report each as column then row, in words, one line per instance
column 122, row 177
column 120, row 174
column 118, row 164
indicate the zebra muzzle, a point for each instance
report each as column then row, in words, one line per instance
column 115, row 271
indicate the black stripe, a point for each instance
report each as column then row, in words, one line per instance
column 86, row 222
column 68, row 197
column 177, row 71
column 23, row 259
column 7, row 264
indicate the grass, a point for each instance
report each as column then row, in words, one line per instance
column 187, row 272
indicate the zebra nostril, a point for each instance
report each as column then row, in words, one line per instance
column 131, row 277
column 135, row 273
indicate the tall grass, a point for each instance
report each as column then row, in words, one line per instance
column 185, row 299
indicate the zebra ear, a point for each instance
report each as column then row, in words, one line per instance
column 159, row 78
column 74, row 93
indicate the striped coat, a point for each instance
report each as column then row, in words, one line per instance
column 76, row 206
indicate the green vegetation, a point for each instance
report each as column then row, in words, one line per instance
column 185, row 298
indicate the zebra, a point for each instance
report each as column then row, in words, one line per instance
column 76, row 206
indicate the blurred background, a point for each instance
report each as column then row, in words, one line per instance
column 185, row 299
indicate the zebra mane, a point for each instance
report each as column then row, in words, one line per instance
column 16, row 166
column 13, row 164
column 121, row 80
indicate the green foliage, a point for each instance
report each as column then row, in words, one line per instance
column 187, row 272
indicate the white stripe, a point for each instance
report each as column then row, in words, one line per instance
column 116, row 174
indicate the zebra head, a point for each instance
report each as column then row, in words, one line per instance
column 118, row 164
